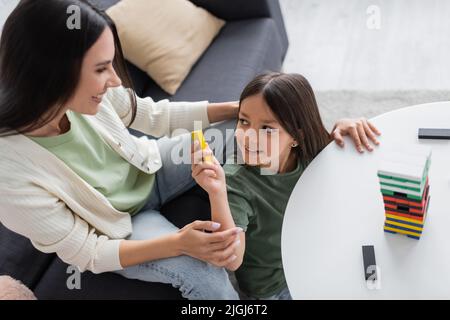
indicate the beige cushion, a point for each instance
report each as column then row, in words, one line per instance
column 164, row 38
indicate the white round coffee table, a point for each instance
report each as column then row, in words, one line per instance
column 336, row 208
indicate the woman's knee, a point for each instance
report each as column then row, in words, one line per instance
column 197, row 279
column 150, row 224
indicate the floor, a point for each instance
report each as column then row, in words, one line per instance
column 336, row 44
column 6, row 6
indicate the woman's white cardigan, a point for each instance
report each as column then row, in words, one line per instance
column 42, row 199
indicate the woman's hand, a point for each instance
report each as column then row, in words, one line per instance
column 222, row 111
column 360, row 130
column 208, row 174
column 217, row 248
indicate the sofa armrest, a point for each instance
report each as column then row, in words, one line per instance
column 247, row 9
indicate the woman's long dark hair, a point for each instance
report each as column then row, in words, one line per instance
column 292, row 101
column 41, row 59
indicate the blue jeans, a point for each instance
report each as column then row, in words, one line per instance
column 283, row 294
column 194, row 278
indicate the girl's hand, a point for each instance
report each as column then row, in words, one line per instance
column 360, row 130
column 217, row 248
column 209, row 175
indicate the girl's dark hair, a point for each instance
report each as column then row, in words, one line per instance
column 41, row 59
column 292, row 101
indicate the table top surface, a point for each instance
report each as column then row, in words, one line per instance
column 337, row 207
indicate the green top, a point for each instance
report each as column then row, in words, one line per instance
column 257, row 203
column 84, row 151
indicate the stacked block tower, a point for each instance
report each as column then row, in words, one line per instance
column 405, row 188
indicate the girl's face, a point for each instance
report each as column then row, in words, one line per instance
column 97, row 75
column 257, row 123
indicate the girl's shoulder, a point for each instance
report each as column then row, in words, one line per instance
column 238, row 175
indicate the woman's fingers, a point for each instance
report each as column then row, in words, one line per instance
column 204, row 225
column 222, row 245
column 222, row 236
column 222, row 257
column 223, row 263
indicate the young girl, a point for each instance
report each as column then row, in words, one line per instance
column 281, row 110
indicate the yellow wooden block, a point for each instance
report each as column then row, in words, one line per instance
column 395, row 223
column 198, row 135
column 402, row 231
column 403, row 218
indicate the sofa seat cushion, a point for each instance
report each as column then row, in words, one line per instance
column 20, row 260
column 53, row 285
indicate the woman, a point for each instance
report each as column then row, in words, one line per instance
column 75, row 181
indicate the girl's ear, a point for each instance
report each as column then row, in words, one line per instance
column 299, row 140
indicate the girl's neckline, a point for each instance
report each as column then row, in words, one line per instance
column 278, row 174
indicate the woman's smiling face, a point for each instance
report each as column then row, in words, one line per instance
column 260, row 137
column 97, row 75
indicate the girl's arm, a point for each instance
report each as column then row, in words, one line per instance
column 211, row 177
column 220, row 212
column 360, row 131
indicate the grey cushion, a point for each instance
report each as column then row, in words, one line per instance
column 242, row 50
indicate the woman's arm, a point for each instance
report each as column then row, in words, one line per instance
column 133, row 252
column 163, row 117
column 191, row 240
column 222, row 111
